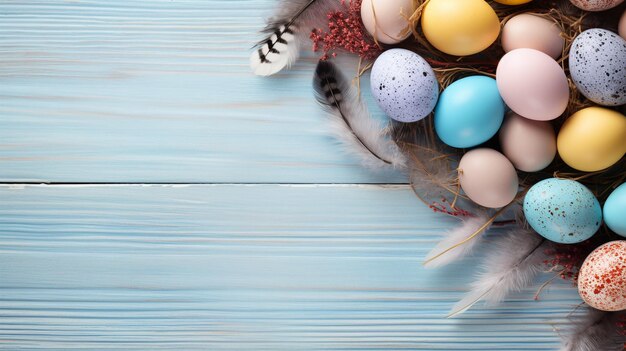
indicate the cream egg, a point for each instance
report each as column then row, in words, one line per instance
column 533, row 32
column 386, row 20
column 488, row 178
column 529, row 145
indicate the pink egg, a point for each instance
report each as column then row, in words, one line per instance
column 602, row 277
column 596, row 5
column 532, row 84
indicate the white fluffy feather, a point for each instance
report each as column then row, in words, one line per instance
column 595, row 331
column 286, row 31
column 350, row 122
column 437, row 258
column 511, row 265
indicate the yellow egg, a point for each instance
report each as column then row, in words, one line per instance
column 460, row 28
column 513, row 2
column 593, row 139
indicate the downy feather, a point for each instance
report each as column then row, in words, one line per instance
column 433, row 169
column 351, row 124
column 439, row 256
column 510, row 266
column 286, row 31
column 596, row 331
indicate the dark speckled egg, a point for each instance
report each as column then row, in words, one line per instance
column 597, row 64
column 562, row 210
column 404, row 85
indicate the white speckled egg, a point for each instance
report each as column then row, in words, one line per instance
column 562, row 210
column 404, row 85
column 602, row 277
column 597, row 64
column 596, row 5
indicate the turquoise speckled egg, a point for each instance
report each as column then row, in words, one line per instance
column 615, row 210
column 469, row 112
column 562, row 210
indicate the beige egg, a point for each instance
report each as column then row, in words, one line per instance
column 488, row 178
column 529, row 145
column 532, row 32
column 622, row 26
column 386, row 19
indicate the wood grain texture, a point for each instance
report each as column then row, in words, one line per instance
column 243, row 267
column 156, row 91
column 159, row 91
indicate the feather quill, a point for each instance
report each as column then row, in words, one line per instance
column 511, row 265
column 449, row 249
column 351, row 123
column 286, row 32
column 596, row 331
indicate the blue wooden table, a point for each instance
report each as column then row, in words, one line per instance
column 157, row 195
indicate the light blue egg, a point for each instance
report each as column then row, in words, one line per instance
column 469, row 112
column 404, row 85
column 562, row 210
column 615, row 210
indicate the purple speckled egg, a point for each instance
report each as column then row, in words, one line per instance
column 597, row 64
column 404, row 85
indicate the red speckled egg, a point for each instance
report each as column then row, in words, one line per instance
column 602, row 278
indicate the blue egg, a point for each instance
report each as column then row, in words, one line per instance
column 562, row 210
column 469, row 112
column 404, row 85
column 615, row 210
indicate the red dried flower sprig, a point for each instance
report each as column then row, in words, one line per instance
column 444, row 206
column 345, row 32
column 567, row 259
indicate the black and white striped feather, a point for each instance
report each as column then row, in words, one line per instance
column 286, row 31
column 512, row 264
column 351, row 124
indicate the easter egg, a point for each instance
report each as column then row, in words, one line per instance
column 602, row 277
column 592, row 139
column 532, row 84
column 386, row 20
column 622, row 26
column 614, row 210
column 532, row 32
column 562, row 210
column 404, row 85
column 469, row 112
column 513, row 2
column 597, row 64
column 596, row 5
column 488, row 178
column 460, row 27
column 529, row 145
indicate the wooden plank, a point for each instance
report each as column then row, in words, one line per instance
column 245, row 267
column 156, row 91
